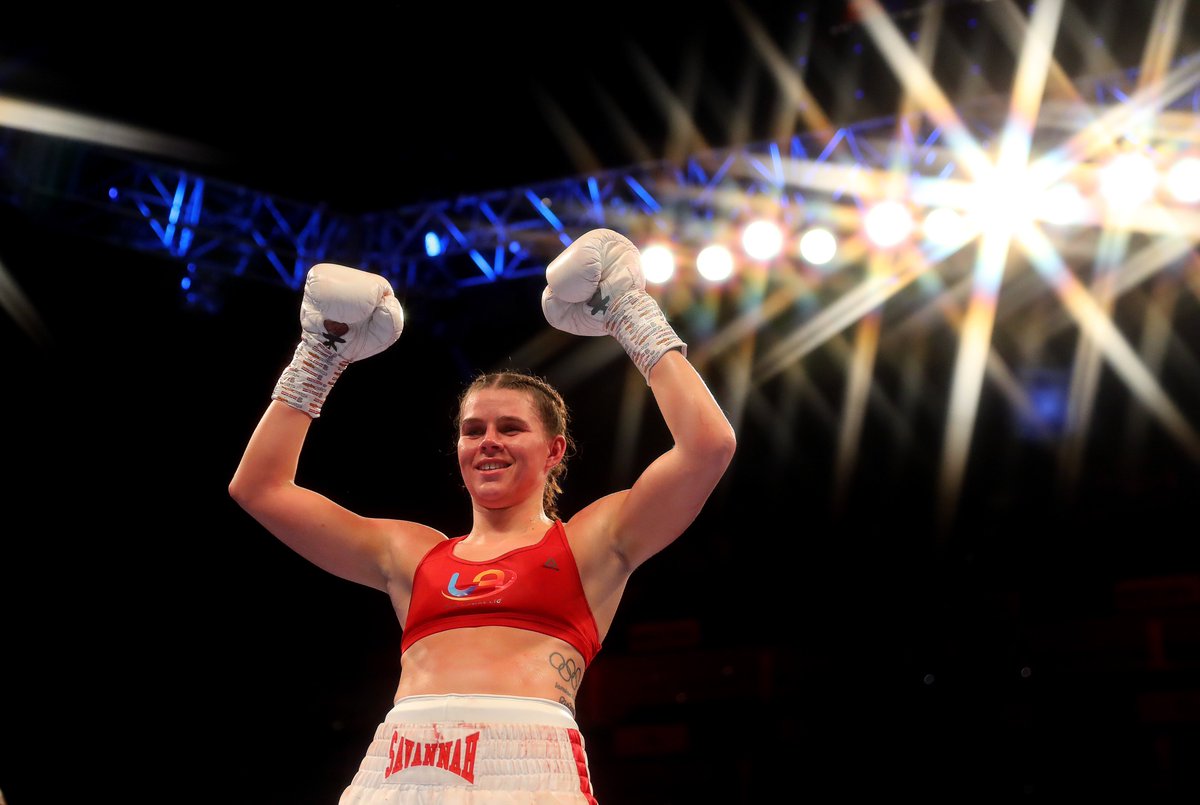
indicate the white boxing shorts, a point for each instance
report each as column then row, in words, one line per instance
column 474, row 750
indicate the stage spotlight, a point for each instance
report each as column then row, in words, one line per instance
column 715, row 263
column 1062, row 204
column 944, row 227
column 1183, row 180
column 888, row 223
column 1128, row 180
column 658, row 263
column 1004, row 202
column 762, row 240
column 433, row 245
column 818, row 246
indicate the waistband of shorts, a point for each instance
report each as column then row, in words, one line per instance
column 487, row 708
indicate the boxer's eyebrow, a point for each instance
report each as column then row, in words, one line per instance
column 500, row 420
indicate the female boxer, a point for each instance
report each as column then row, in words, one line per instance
column 499, row 625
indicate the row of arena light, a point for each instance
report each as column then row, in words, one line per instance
column 1127, row 181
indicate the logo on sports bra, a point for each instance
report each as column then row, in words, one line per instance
column 486, row 583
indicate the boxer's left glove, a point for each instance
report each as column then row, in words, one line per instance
column 597, row 287
column 346, row 315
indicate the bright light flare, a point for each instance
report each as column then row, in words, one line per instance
column 1062, row 205
column 56, row 122
column 888, row 223
column 762, row 240
column 433, row 244
column 944, row 227
column 1013, row 197
column 715, row 263
column 1128, row 180
column 658, row 263
column 818, row 246
column 1183, row 180
column 1002, row 204
column 1094, row 321
column 21, row 308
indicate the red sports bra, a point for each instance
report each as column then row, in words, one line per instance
column 536, row 587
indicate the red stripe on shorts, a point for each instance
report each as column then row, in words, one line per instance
column 585, row 781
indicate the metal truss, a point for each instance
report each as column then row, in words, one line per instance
column 218, row 230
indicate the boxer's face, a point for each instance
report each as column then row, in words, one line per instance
column 504, row 452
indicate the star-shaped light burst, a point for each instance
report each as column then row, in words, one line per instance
column 1002, row 204
column 1015, row 211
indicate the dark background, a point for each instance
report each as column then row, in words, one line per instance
column 159, row 646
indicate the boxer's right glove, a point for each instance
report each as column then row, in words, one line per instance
column 597, row 287
column 346, row 315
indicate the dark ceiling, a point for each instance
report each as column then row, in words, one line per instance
column 392, row 104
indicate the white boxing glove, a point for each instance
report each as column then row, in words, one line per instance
column 597, row 287
column 584, row 281
column 346, row 315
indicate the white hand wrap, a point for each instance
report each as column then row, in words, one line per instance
column 638, row 323
column 346, row 315
column 597, row 287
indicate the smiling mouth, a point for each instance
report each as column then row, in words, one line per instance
column 491, row 466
